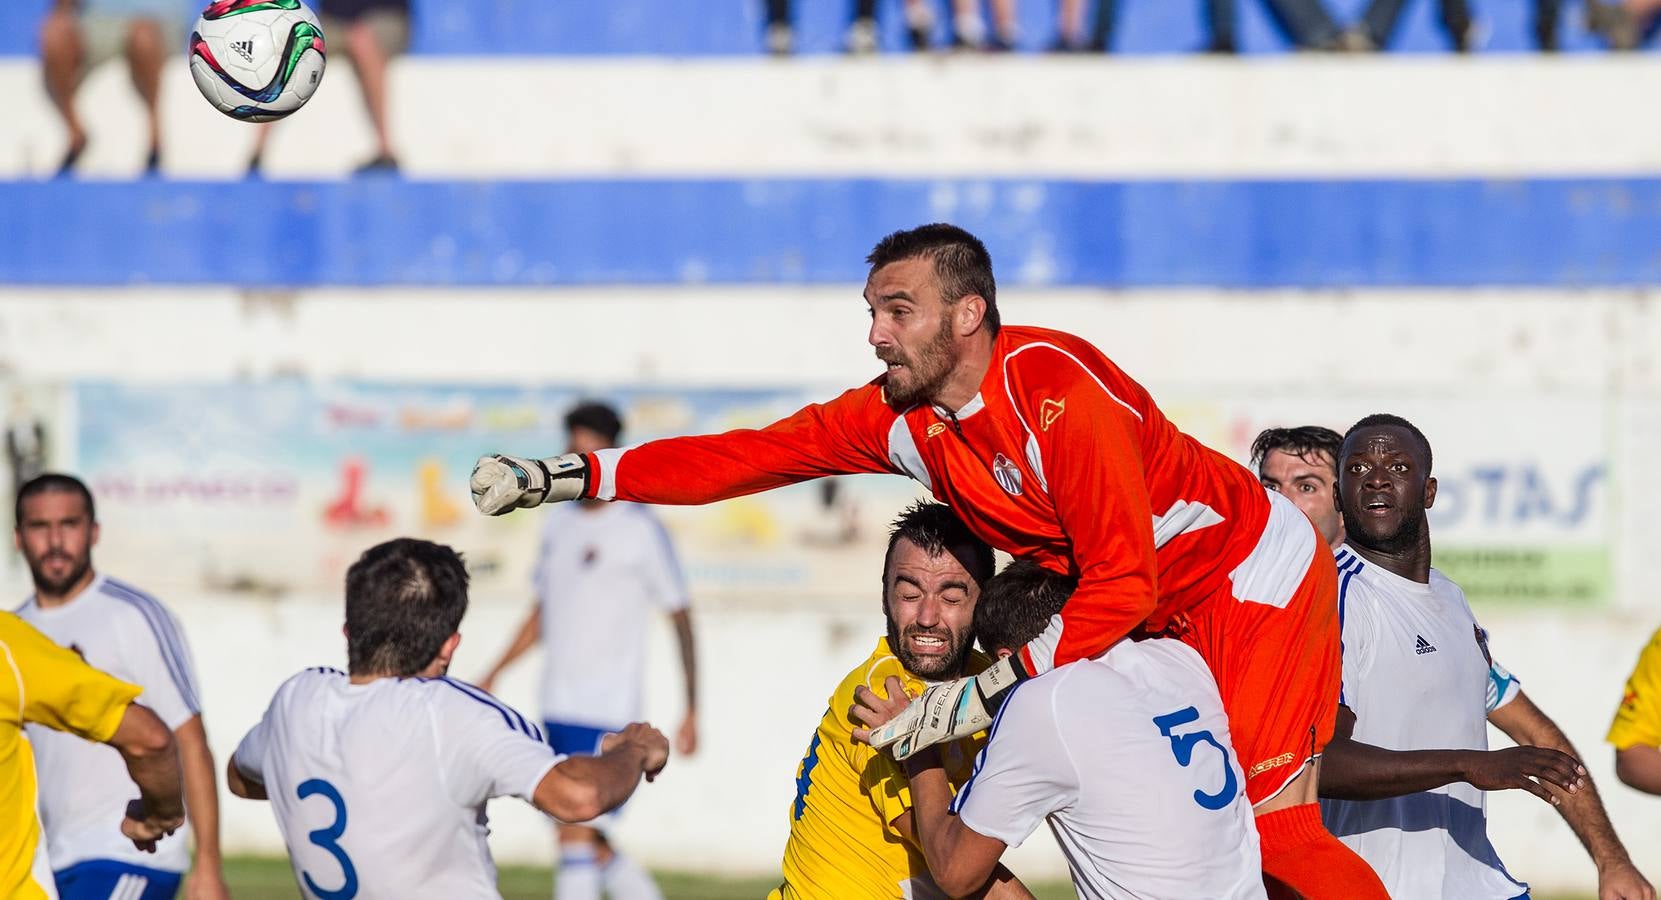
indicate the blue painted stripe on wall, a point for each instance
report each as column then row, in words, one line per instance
column 1237, row 234
column 734, row 27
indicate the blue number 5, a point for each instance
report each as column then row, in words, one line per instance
column 327, row 837
column 1182, row 747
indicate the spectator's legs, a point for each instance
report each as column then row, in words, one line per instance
column 862, row 32
column 1456, row 18
column 919, row 23
column 1546, row 17
column 1003, row 24
column 371, row 63
column 1069, row 25
column 1379, row 21
column 967, row 24
column 1221, row 17
column 1101, row 33
column 781, row 37
column 256, row 160
column 145, row 56
column 61, row 52
column 1306, row 22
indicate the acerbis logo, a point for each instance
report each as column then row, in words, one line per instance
column 244, row 49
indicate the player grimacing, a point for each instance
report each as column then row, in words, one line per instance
column 1048, row 451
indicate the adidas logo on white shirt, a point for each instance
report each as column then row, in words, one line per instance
column 1422, row 646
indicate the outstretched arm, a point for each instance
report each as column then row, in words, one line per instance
column 1351, row 770
column 1618, row 879
column 152, row 759
column 582, row 787
column 206, row 880
column 845, row 436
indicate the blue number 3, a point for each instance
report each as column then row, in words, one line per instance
column 1182, row 747
column 326, row 838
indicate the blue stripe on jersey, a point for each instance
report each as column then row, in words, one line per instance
column 1351, row 569
column 325, row 670
column 669, row 557
column 525, row 724
column 980, row 758
column 166, row 634
column 509, row 716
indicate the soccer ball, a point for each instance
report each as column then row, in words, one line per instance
column 257, row 60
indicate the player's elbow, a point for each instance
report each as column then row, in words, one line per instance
column 570, row 799
column 1639, row 767
column 242, row 785
column 141, row 735
column 956, row 878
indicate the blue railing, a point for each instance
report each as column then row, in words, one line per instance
column 1236, row 234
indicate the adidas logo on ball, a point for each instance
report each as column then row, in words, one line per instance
column 244, row 49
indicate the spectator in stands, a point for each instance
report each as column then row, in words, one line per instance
column 1306, row 24
column 79, row 35
column 1636, row 731
column 371, row 33
column 862, row 33
column 1378, row 24
column 969, row 29
column 1623, row 23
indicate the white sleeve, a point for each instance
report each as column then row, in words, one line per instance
column 487, row 748
column 664, row 580
column 161, row 662
column 1503, row 687
column 1357, row 632
column 1023, row 774
column 254, row 749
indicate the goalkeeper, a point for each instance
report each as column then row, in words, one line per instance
column 1048, row 451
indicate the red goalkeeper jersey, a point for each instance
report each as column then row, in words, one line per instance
column 1060, row 458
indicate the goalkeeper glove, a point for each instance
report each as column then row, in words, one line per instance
column 505, row 483
column 948, row 711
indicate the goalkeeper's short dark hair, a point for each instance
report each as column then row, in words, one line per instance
column 1018, row 603
column 600, row 418
column 404, row 599
column 936, row 529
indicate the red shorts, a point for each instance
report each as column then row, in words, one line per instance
column 1272, row 642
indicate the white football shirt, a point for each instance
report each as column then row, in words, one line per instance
column 1128, row 757
column 84, row 787
column 600, row 571
column 1418, row 676
column 381, row 787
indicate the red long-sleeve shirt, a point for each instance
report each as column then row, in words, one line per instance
column 1060, row 458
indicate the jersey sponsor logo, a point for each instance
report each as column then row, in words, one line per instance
column 935, row 429
column 1049, row 411
column 1275, row 763
column 1007, row 475
column 1629, row 700
column 1422, row 646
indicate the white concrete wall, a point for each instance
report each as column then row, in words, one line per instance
column 1023, row 116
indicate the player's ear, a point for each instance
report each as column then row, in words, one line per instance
column 93, row 539
column 1430, row 492
column 971, row 311
column 1005, row 652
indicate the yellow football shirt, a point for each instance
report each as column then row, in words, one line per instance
column 842, row 840
column 1638, row 720
column 43, row 683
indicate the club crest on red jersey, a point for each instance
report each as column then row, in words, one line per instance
column 1008, row 476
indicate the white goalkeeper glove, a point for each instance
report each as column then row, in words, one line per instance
column 502, row 484
column 948, row 711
